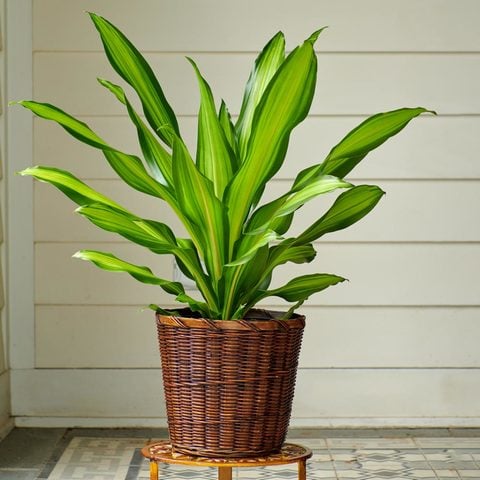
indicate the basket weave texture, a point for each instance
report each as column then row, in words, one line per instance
column 229, row 384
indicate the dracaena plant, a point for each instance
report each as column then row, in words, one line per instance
column 235, row 241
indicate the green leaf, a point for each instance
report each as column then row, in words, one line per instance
column 131, row 170
column 199, row 204
column 154, row 235
column 80, row 130
column 228, row 254
column 285, row 252
column 229, row 131
column 108, row 261
column 158, row 159
column 260, row 232
column 71, row 186
column 215, row 158
column 349, row 208
column 369, row 135
column 250, row 244
column 128, row 167
column 134, row 69
column 261, row 277
column 196, row 306
column 189, row 262
column 284, row 104
column 266, row 65
column 244, row 280
column 266, row 215
column 300, row 288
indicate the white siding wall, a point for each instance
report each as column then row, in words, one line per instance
column 398, row 344
column 5, row 421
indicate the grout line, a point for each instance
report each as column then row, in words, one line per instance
column 397, row 368
column 419, row 448
column 256, row 52
column 330, row 454
column 269, row 307
column 350, row 179
column 264, row 307
column 325, row 115
column 318, row 244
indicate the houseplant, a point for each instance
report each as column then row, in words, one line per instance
column 239, row 392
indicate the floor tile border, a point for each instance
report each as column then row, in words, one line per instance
column 297, row 434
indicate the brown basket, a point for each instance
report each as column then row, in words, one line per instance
column 229, row 384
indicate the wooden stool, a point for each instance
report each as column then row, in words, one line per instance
column 162, row 452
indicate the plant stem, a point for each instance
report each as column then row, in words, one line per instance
column 230, row 293
column 204, row 286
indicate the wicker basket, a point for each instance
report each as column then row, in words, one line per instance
column 229, row 384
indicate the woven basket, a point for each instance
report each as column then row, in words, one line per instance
column 229, row 384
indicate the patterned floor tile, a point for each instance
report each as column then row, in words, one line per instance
column 442, row 473
column 311, row 443
column 414, row 458
column 381, row 463
column 102, row 471
column 94, row 458
column 18, row 474
column 370, row 443
column 171, row 472
column 469, row 474
column 448, row 442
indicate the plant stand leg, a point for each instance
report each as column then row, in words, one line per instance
column 302, row 469
column 224, row 473
column 153, row 470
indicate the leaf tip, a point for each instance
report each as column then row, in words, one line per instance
column 279, row 36
column 152, row 306
column 425, row 110
column 314, row 36
column 92, row 15
column 194, row 65
column 25, row 171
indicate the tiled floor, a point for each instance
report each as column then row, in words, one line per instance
column 97, row 454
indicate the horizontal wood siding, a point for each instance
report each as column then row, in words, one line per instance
column 347, row 83
column 397, row 343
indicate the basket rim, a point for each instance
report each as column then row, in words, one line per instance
column 268, row 320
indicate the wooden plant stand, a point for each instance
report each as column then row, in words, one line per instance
column 161, row 452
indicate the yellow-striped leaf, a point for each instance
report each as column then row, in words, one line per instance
column 80, row 130
column 197, row 200
column 284, row 104
column 215, row 158
column 128, row 62
column 300, row 288
column 350, row 207
column 154, row 235
column 108, row 261
column 229, row 130
column 266, row 65
column 268, row 214
column 128, row 167
column 157, row 158
column 71, row 186
column 370, row 134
